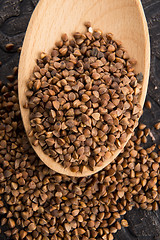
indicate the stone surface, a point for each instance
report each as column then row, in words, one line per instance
column 14, row 17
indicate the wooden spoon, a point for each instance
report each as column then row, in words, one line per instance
column 124, row 18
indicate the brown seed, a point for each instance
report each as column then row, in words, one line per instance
column 141, row 126
column 10, row 78
column 37, row 74
column 157, row 126
column 111, row 138
column 111, row 220
column 43, row 55
column 63, row 51
column 50, row 141
column 56, row 105
column 31, row 227
column 95, row 76
column 57, row 65
column 85, row 98
column 77, row 52
column 124, row 223
column 9, row 46
column 107, row 155
column 69, row 217
column 96, row 116
column 53, row 113
column 110, row 236
column 83, row 108
column 81, row 231
column 87, row 24
column 75, row 212
column 37, row 85
column 70, row 112
column 111, row 48
column 80, row 218
column 86, row 119
column 148, row 104
column 14, row 185
column 61, row 141
column 146, row 131
column 76, row 103
column 133, row 153
column 64, row 37
column 155, row 206
column 72, row 96
column 70, row 123
column 125, row 55
column 23, row 234
column 67, row 88
column 11, row 223
column 144, row 139
column 111, row 57
column 67, row 227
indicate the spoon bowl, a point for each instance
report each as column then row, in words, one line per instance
column 124, row 18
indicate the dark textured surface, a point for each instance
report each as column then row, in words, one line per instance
column 14, row 17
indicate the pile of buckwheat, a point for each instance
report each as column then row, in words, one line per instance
column 38, row 204
column 83, row 100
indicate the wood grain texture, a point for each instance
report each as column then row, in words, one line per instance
column 143, row 225
column 124, row 18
